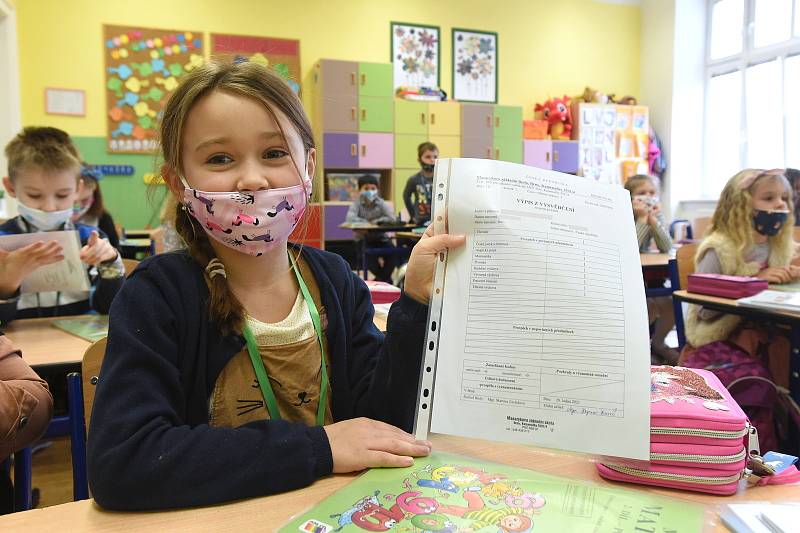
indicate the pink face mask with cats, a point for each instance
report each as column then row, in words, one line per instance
column 251, row 222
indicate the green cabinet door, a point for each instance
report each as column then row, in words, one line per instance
column 410, row 117
column 507, row 121
column 375, row 79
column 405, row 150
column 375, row 113
column 508, row 149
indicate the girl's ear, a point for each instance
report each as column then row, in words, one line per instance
column 172, row 180
column 312, row 162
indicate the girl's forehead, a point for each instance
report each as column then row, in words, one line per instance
column 771, row 184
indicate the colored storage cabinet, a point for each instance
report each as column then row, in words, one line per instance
column 556, row 155
column 375, row 113
column 444, row 118
column 507, row 133
column 405, row 149
column 340, row 150
column 477, row 130
column 375, row 79
column 376, row 150
column 410, row 117
column 338, row 95
column 565, row 156
column 538, row 153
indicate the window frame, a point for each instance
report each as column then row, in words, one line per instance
column 749, row 56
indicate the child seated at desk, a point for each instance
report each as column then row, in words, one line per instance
column 44, row 176
column 214, row 386
column 750, row 235
column 26, row 408
column 370, row 207
column 650, row 227
column 418, row 194
column 89, row 209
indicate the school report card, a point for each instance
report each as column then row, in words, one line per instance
column 538, row 327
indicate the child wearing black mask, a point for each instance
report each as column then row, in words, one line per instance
column 418, row 194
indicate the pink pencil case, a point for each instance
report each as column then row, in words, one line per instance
column 382, row 292
column 698, row 435
column 726, row 286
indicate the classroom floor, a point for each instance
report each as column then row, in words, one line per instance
column 52, row 473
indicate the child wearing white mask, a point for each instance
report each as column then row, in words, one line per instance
column 44, row 177
column 370, row 207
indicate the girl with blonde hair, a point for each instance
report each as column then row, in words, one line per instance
column 750, row 235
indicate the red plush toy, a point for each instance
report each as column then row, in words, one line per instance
column 556, row 112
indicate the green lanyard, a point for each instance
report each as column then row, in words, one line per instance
column 261, row 370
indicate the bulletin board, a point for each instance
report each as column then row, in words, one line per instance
column 143, row 66
column 281, row 55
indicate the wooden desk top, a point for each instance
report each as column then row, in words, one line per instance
column 43, row 344
column 271, row 512
column 135, row 242
column 408, row 235
column 651, row 260
column 731, row 304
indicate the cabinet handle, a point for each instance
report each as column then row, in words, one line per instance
column 547, row 156
column 422, row 118
column 497, row 153
column 363, row 115
column 353, row 150
column 489, row 153
column 433, row 119
column 352, row 78
column 352, row 113
column 555, row 156
column 363, row 150
column 363, row 79
column 488, row 121
column 496, row 122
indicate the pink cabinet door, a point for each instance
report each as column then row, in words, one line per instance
column 376, row 150
column 538, row 153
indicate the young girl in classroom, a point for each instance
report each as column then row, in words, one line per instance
column 750, row 235
column 651, row 228
column 89, row 209
column 247, row 365
column 44, row 177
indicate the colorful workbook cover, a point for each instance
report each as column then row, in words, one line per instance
column 450, row 493
column 91, row 328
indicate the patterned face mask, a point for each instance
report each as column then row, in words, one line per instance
column 769, row 223
column 251, row 222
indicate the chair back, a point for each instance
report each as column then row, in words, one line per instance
column 130, row 264
column 90, row 373
column 700, row 227
column 685, row 259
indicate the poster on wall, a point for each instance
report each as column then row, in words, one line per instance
column 142, row 68
column 280, row 55
column 474, row 66
column 415, row 55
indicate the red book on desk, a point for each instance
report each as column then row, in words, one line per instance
column 382, row 292
column 726, row 286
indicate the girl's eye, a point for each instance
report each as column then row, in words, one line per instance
column 275, row 154
column 62, row 196
column 219, row 159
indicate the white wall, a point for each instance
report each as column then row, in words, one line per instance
column 672, row 85
column 10, row 119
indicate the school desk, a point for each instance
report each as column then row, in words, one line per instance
column 373, row 229
column 788, row 318
column 649, row 259
column 269, row 512
column 136, row 248
column 44, row 344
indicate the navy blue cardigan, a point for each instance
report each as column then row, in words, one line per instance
column 150, row 445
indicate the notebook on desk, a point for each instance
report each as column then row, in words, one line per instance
column 772, row 299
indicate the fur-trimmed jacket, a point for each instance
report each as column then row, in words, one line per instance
column 700, row 331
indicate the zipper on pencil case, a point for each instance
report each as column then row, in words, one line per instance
column 710, row 433
column 701, row 480
column 690, row 458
